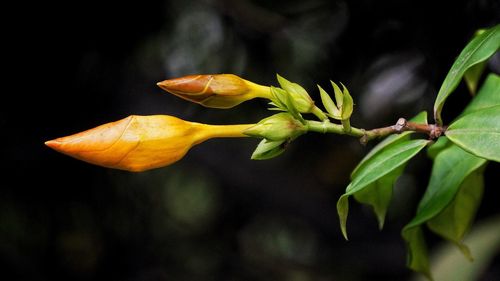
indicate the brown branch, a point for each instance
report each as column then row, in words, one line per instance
column 432, row 130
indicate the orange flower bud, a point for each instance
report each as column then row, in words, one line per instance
column 139, row 143
column 217, row 90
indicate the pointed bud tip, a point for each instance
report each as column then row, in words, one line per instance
column 187, row 85
column 54, row 144
column 163, row 84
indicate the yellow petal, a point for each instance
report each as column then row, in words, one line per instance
column 136, row 143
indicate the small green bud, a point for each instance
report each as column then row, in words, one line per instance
column 284, row 101
column 279, row 98
column 268, row 149
column 299, row 95
column 281, row 126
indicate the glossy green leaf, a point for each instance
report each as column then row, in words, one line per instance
column 419, row 118
column 379, row 194
column 488, row 95
column 376, row 167
column 454, row 221
column 451, row 167
column 472, row 76
column 435, row 148
column 268, row 149
column 484, row 242
column 449, row 170
column 477, row 50
column 384, row 162
column 478, row 132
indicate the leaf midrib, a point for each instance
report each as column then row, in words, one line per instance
column 460, row 66
column 396, row 153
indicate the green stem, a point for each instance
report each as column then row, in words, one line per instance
column 347, row 125
column 434, row 131
column 328, row 127
column 319, row 113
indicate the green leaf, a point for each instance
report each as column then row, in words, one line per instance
column 418, row 259
column 328, row 103
column 454, row 221
column 343, row 211
column 451, row 167
column 269, row 149
column 472, row 76
column 477, row 50
column 419, row 118
column 448, row 264
column 449, row 170
column 379, row 194
column 375, row 168
column 478, row 132
column 438, row 146
column 488, row 95
column 384, row 162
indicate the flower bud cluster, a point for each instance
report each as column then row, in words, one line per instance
column 139, row 143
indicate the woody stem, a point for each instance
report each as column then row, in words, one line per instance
column 434, row 131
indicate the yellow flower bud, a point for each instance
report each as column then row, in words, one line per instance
column 217, row 90
column 139, row 143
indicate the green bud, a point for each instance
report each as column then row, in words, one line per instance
column 281, row 126
column 268, row 149
column 283, row 100
column 299, row 95
column 279, row 98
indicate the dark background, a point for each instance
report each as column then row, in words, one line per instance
column 216, row 215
